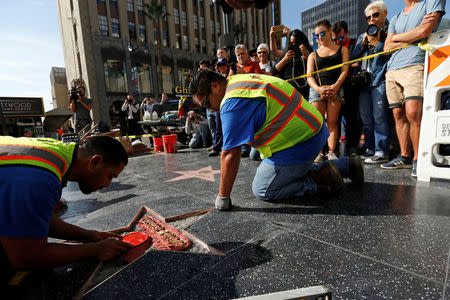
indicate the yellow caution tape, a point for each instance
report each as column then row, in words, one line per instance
column 422, row 44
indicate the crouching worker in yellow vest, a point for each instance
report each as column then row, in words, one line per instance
column 33, row 172
column 271, row 116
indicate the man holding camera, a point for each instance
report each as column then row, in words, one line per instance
column 404, row 77
column 197, row 125
column 80, row 105
column 130, row 109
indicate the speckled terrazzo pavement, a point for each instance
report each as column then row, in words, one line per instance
column 388, row 239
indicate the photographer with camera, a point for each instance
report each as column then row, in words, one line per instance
column 80, row 105
column 130, row 107
column 294, row 59
column 370, row 79
column 197, row 125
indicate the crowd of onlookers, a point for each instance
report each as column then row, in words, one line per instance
column 356, row 100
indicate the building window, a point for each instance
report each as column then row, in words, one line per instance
column 103, row 25
column 185, row 42
column 132, row 30
column 203, row 46
column 113, row 3
column 167, row 78
column 140, row 7
column 176, row 16
column 213, row 46
column 115, row 78
column 155, row 36
column 164, row 41
column 164, row 12
column 195, row 22
column 142, row 32
column 101, row 1
column 115, row 28
column 130, row 6
column 218, row 27
column 178, row 45
column 197, row 44
column 184, row 20
column 202, row 23
column 144, row 81
column 211, row 24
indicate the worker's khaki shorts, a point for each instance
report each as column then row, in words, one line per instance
column 404, row 84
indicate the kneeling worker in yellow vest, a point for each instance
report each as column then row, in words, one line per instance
column 270, row 115
column 33, row 172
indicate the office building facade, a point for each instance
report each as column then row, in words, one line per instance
column 118, row 50
column 351, row 11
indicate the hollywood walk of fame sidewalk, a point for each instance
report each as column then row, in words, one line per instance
column 387, row 239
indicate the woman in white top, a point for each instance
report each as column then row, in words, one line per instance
column 264, row 63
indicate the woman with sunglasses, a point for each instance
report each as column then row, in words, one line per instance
column 373, row 104
column 294, row 58
column 326, row 93
column 265, row 63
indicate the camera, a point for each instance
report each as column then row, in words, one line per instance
column 74, row 94
column 296, row 49
column 192, row 118
column 234, row 68
column 361, row 79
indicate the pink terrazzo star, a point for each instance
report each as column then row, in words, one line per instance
column 206, row 173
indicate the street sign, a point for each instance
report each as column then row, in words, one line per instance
column 22, row 106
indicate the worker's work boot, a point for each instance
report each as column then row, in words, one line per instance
column 328, row 178
column 356, row 170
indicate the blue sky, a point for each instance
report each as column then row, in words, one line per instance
column 31, row 42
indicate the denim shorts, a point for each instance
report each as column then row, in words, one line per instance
column 315, row 96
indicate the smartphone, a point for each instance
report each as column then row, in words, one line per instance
column 278, row 30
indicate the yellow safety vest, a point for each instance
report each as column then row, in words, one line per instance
column 49, row 154
column 290, row 119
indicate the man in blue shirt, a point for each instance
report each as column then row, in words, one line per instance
column 29, row 193
column 404, row 77
column 285, row 173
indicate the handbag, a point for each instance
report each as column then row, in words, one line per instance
column 362, row 78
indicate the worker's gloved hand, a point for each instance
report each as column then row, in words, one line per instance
column 223, row 203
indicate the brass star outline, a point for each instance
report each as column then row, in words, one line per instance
column 206, row 173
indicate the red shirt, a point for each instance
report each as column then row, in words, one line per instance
column 251, row 67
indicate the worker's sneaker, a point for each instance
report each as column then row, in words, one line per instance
column 355, row 170
column 319, row 159
column 400, row 162
column 376, row 159
column 331, row 156
column 414, row 168
column 213, row 153
column 209, row 148
column 328, row 178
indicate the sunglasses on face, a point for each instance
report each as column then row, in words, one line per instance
column 339, row 39
column 374, row 15
column 322, row 34
column 262, row 52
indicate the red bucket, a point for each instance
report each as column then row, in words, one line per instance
column 170, row 143
column 158, row 143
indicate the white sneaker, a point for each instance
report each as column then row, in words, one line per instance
column 331, row 156
column 376, row 159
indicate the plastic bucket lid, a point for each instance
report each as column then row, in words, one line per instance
column 135, row 238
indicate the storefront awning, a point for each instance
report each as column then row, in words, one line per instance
column 55, row 118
